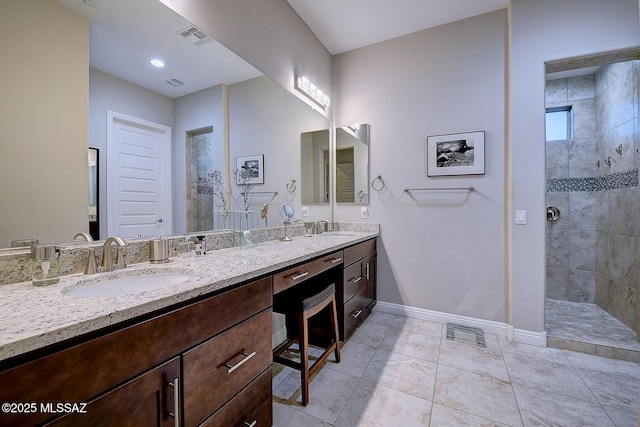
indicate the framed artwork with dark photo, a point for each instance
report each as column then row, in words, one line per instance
column 455, row 154
column 250, row 169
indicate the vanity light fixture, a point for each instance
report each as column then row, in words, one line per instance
column 157, row 63
column 305, row 86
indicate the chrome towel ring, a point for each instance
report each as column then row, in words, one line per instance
column 380, row 185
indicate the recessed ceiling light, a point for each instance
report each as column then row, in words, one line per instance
column 157, row 63
column 90, row 3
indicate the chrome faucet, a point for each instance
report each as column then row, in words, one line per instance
column 328, row 226
column 107, row 261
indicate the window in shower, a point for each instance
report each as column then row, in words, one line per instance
column 558, row 123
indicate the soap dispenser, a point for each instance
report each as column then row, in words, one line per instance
column 45, row 265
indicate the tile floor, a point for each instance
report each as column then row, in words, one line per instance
column 589, row 329
column 398, row 371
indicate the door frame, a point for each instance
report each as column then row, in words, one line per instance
column 114, row 118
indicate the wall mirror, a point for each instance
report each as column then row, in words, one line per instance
column 177, row 96
column 352, row 164
column 316, row 173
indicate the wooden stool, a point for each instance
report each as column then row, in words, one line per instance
column 303, row 310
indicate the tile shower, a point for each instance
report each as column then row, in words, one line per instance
column 593, row 253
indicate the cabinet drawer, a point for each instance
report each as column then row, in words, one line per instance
column 88, row 368
column 253, row 404
column 354, row 313
column 219, row 368
column 302, row 272
column 359, row 251
column 353, row 280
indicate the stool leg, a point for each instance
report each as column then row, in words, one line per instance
column 304, row 357
column 334, row 328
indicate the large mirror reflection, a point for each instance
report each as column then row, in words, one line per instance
column 217, row 108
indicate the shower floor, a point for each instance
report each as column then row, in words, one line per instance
column 589, row 329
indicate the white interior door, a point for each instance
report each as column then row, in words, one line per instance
column 138, row 177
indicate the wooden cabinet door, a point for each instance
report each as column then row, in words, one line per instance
column 146, row 400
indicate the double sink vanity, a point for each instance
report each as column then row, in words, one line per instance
column 187, row 343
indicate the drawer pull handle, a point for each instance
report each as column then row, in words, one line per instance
column 367, row 268
column 355, row 279
column 356, row 314
column 175, row 385
column 334, row 260
column 240, row 363
column 297, row 276
column 253, row 424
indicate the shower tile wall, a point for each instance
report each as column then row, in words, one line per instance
column 199, row 157
column 592, row 251
column 617, row 258
column 571, row 241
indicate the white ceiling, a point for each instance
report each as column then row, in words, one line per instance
column 125, row 35
column 343, row 25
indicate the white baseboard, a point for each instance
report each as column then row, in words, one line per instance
column 502, row 329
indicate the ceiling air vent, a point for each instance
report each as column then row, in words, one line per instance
column 175, row 82
column 194, row 35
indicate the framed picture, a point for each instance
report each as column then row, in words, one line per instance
column 455, row 154
column 250, row 169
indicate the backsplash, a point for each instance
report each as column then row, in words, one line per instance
column 15, row 264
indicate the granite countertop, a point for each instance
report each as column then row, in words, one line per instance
column 33, row 317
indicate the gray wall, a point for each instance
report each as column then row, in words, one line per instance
column 442, row 251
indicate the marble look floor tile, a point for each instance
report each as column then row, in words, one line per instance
column 413, row 344
column 550, row 377
column 473, row 358
column 380, row 318
column 329, row 391
column 612, row 390
column 373, row 405
column 354, row 358
column 370, row 334
column 602, row 364
column 542, row 353
column 477, row 394
column 407, row 374
column 623, row 418
column 443, row 416
column 286, row 416
column 425, row 327
column 546, row 409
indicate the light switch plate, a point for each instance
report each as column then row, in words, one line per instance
column 364, row 212
column 521, row 217
column 305, row 211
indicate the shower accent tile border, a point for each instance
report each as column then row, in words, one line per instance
column 599, row 183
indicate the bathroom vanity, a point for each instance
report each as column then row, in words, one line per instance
column 195, row 353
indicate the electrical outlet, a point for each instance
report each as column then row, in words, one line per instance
column 364, row 212
column 305, row 211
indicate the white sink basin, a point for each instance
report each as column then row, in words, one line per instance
column 126, row 285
